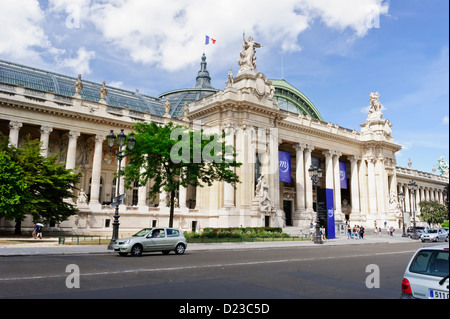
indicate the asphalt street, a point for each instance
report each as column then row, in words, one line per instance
column 340, row 269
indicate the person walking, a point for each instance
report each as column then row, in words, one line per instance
column 34, row 231
column 349, row 232
column 39, row 231
column 323, row 233
column 361, row 232
column 311, row 231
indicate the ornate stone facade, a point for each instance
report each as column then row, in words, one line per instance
column 248, row 111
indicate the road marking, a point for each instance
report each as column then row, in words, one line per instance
column 143, row 270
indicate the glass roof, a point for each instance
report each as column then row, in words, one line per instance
column 288, row 97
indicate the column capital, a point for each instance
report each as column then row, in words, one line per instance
column 298, row 147
column 100, row 138
column 354, row 158
column 337, row 153
column 309, row 148
column 15, row 125
column 46, row 130
column 328, row 153
column 74, row 134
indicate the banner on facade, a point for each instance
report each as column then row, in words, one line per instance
column 284, row 160
column 330, row 213
column 343, row 174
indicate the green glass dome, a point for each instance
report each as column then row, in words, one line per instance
column 292, row 100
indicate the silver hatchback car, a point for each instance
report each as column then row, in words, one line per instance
column 426, row 276
column 152, row 239
column 434, row 234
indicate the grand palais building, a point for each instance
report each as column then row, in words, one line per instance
column 278, row 134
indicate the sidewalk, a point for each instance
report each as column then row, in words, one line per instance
column 50, row 246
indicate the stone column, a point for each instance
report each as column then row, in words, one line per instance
column 228, row 189
column 407, row 199
column 96, row 171
column 329, row 174
column 72, row 149
column 354, row 184
column 45, row 135
column 14, row 127
column 371, row 185
column 300, row 177
column 308, row 181
column 337, row 186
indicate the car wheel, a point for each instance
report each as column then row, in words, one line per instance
column 179, row 250
column 136, row 250
column 446, row 238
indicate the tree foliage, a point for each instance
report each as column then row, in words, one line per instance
column 171, row 156
column 34, row 184
column 432, row 212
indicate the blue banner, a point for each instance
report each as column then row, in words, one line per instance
column 330, row 213
column 343, row 174
column 284, row 163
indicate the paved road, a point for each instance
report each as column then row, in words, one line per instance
column 289, row 270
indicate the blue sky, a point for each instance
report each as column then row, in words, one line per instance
column 335, row 51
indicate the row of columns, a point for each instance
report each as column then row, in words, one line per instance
column 423, row 193
column 71, row 158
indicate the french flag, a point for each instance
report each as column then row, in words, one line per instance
column 207, row 40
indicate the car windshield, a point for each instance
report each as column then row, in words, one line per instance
column 142, row 232
column 430, row 262
column 432, row 231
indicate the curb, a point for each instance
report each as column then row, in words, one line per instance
column 56, row 249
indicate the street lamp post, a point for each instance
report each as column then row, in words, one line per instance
column 316, row 173
column 413, row 187
column 121, row 154
column 401, row 197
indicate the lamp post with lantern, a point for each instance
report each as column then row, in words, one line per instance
column 412, row 186
column 121, row 154
column 401, row 198
column 315, row 174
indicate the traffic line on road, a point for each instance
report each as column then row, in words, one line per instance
column 142, row 270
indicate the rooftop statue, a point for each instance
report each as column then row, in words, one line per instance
column 443, row 166
column 78, row 85
column 103, row 91
column 375, row 107
column 247, row 56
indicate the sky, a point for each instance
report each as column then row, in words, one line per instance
column 334, row 51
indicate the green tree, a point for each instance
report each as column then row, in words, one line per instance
column 171, row 156
column 432, row 212
column 41, row 185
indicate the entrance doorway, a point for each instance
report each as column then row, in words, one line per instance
column 287, row 207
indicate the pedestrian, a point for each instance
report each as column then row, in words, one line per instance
column 349, row 232
column 39, row 231
column 355, row 234
column 379, row 231
column 34, row 231
column 322, row 232
column 361, row 232
column 311, row 231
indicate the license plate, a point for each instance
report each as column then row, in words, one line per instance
column 437, row 294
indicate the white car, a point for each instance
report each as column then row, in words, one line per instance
column 434, row 234
column 426, row 276
column 152, row 239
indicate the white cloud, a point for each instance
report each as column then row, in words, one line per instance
column 445, row 120
column 21, row 31
column 80, row 63
column 171, row 33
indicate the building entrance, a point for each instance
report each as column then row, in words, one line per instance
column 287, row 207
